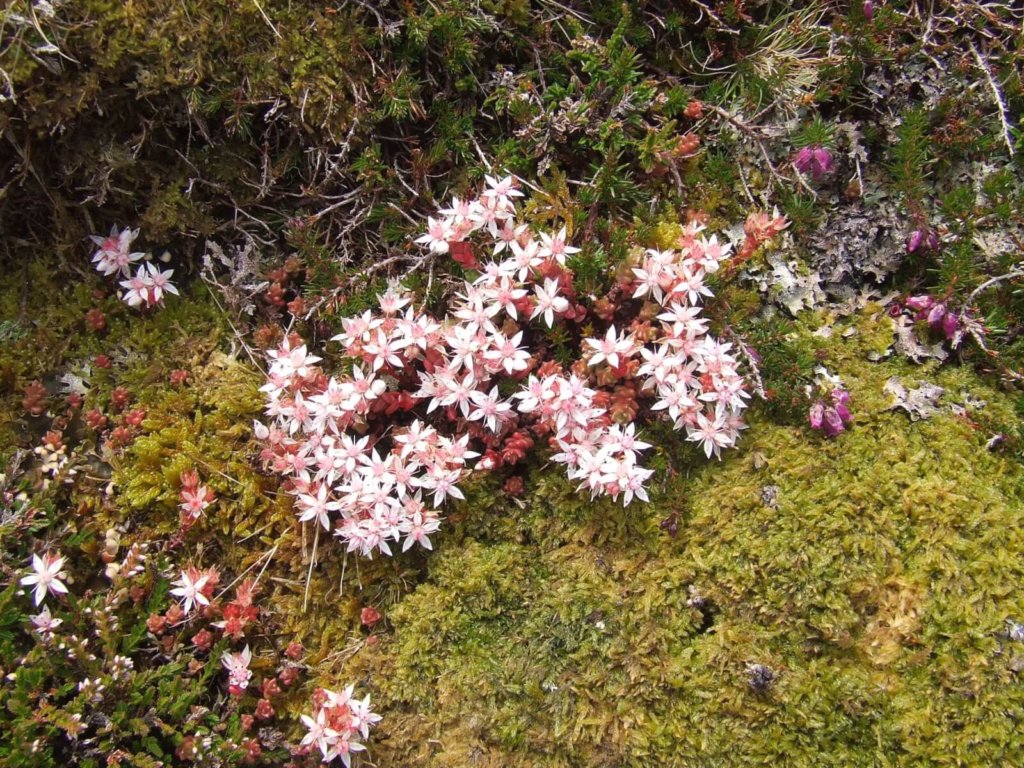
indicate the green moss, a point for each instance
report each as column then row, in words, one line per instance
column 876, row 590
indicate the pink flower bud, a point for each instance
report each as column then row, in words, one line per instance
column 833, row 423
column 915, row 240
column 950, row 324
column 817, row 414
column 844, row 414
column 824, row 160
column 918, row 303
column 869, row 10
column 815, row 161
column 935, row 315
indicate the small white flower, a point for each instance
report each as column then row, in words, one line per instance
column 46, row 576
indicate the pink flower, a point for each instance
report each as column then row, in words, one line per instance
column 950, row 324
column 817, row 415
column 239, row 674
column 115, row 254
column 437, row 237
column 923, row 238
column 833, row 422
column 194, row 501
column 814, row 160
column 919, row 303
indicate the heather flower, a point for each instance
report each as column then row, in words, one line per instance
column 869, row 10
column 46, row 576
column 813, row 160
column 832, row 423
column 831, row 415
column 923, row 238
column 920, row 303
column 817, row 415
column 950, row 324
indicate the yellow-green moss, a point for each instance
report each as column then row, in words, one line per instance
column 876, row 591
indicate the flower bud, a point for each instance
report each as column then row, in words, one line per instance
column 917, row 303
column 833, row 423
column 935, row 315
column 817, row 415
column 915, row 240
column 950, row 324
column 869, row 10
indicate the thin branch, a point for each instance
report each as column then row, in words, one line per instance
column 994, row 281
column 997, row 94
column 266, row 18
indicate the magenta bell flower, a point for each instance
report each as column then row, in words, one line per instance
column 817, row 415
column 831, row 419
column 935, row 315
column 833, row 423
column 840, row 397
column 922, row 238
column 920, row 303
column 814, row 160
column 950, row 324
column 869, row 10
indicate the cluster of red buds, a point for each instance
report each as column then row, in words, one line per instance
column 283, row 291
column 34, row 400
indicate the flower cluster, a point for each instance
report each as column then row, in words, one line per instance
column 814, row 160
column 338, row 719
column 940, row 317
column 831, row 415
column 356, row 469
column 114, row 256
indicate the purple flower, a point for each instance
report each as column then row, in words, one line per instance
column 923, row 238
column 833, row 423
column 814, row 160
column 817, row 414
column 918, row 303
column 950, row 324
column 869, row 10
column 844, row 414
column 935, row 315
column 915, row 240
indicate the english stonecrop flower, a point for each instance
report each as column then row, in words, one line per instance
column 373, row 455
